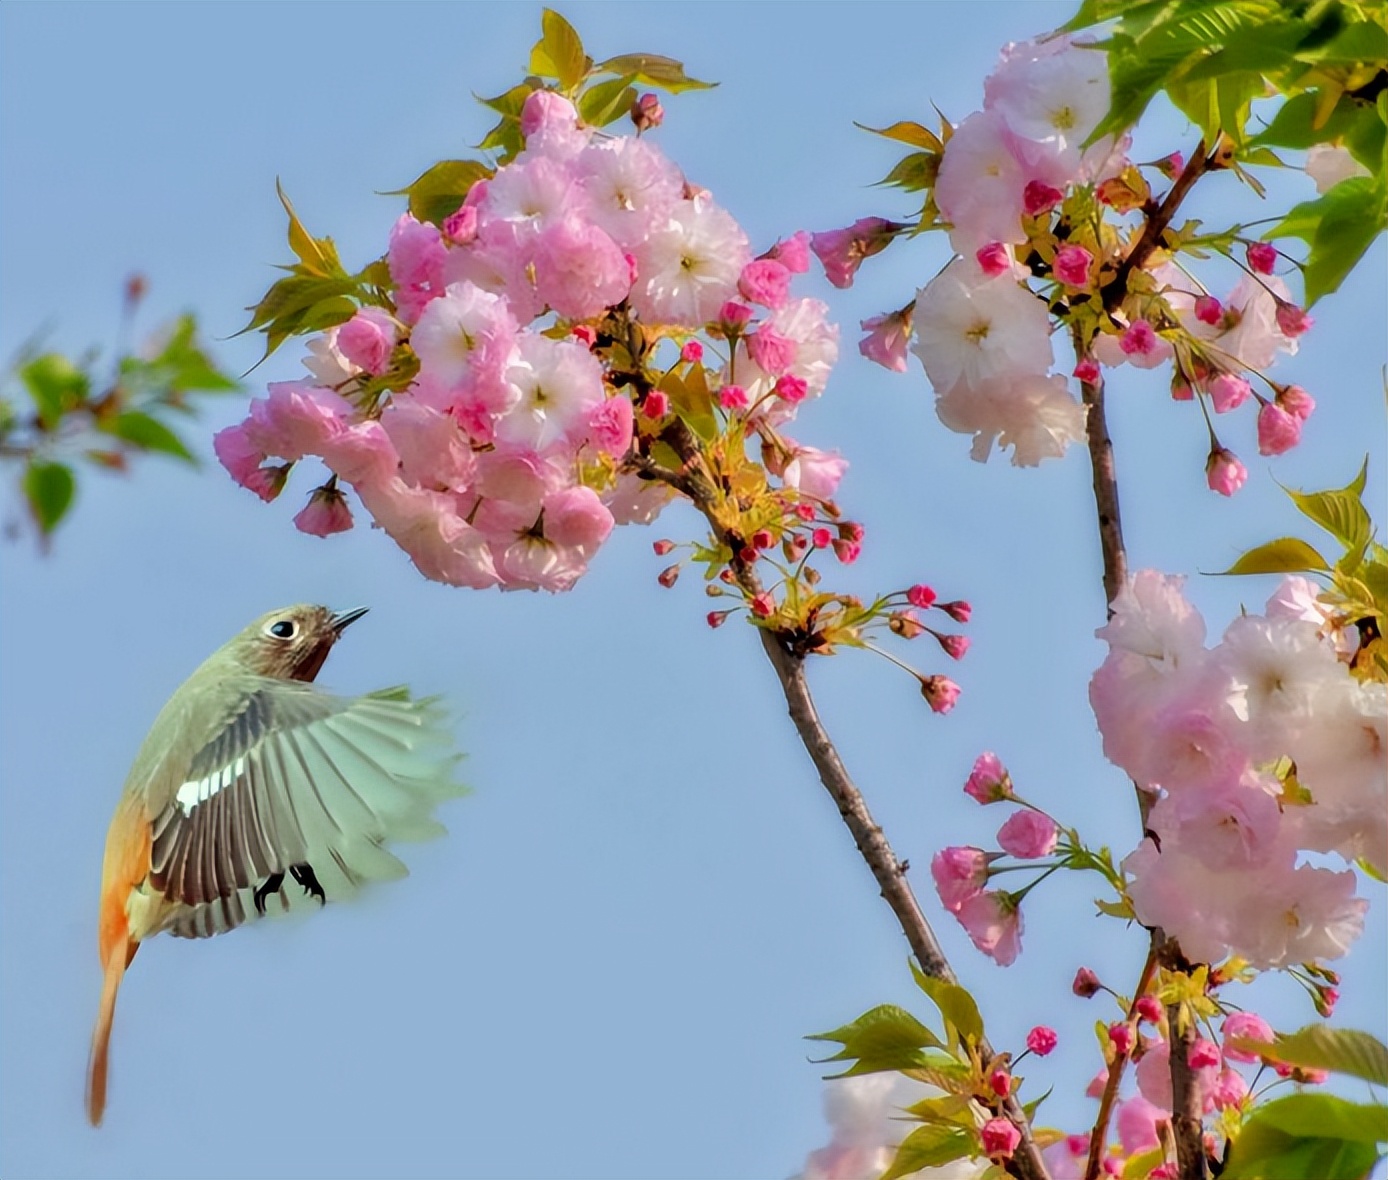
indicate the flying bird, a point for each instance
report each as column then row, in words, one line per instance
column 256, row 792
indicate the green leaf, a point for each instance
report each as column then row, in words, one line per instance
column 56, row 386
column 187, row 366
column 1286, row 555
column 1308, row 1135
column 914, row 172
column 955, row 1005
column 606, row 102
column 437, row 193
column 318, row 255
column 506, row 136
column 1339, row 226
column 1294, row 123
column 886, row 1038
column 930, row 1147
column 291, row 296
column 49, row 488
column 1317, row 1046
column 664, row 73
column 905, row 131
column 559, row 52
column 147, row 433
column 1341, row 512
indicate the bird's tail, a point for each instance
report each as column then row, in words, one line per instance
column 116, row 963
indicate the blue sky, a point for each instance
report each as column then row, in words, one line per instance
column 607, row 967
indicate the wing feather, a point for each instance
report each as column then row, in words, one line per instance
column 299, row 777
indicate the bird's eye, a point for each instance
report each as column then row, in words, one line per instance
column 284, row 629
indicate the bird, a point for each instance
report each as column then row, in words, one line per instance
column 251, row 774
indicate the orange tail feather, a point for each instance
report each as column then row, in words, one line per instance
column 98, row 1062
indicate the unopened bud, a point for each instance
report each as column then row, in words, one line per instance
column 905, row 624
column 662, row 547
column 940, row 692
column 763, row 605
column 716, row 618
column 1086, row 983
column 668, row 576
column 656, row 405
column 646, row 112
column 762, row 539
column 959, row 610
column 955, row 645
column 585, row 334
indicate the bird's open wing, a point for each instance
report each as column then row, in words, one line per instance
column 296, row 796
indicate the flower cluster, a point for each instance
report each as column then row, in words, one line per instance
column 1255, row 750
column 488, row 411
column 1042, row 230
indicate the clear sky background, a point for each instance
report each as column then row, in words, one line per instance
column 607, row 967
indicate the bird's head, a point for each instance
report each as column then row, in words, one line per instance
column 292, row 643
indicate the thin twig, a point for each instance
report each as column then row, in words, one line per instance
column 1098, row 1139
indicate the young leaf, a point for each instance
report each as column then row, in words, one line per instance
column 559, row 52
column 606, row 102
column 49, row 488
column 149, row 434
column 1343, row 1050
column 930, row 1147
column 1339, row 226
column 886, row 1038
column 955, row 1005
column 438, row 192
column 665, row 73
column 1340, row 512
column 318, row 255
column 1286, row 555
column 56, row 386
column 905, row 131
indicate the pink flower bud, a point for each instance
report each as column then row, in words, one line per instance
column 805, row 512
column 585, row 334
column 1278, row 431
column 765, row 281
column 1038, row 197
column 1087, row 371
column 692, row 352
column 790, row 388
column 763, row 605
column 1086, row 983
column 662, row 547
column 460, row 227
column 821, row 538
column 325, row 513
column 646, row 112
column 989, row 781
column 668, row 576
column 994, row 258
column 847, row 551
column 367, row 340
column 1138, row 339
column 1326, row 999
column 762, row 539
column 999, row 1138
column 1171, row 166
column 747, row 555
column 959, row 610
column 1228, row 392
column 733, row 317
column 959, row 872
column 1262, row 257
column 1072, row 265
column 887, row 339
column 940, row 692
column 921, row 596
column 1041, row 1040
column 656, row 405
column 770, row 350
column 1292, row 319
column 955, row 645
column 1248, row 1026
column 851, row 530
column 905, row 624
column 716, row 618
column 1028, row 835
column 1000, row 1082
column 1120, row 1035
column 1296, row 401
column 732, row 397
column 1224, row 473
column 1209, row 310
column 1203, row 1054
column 1181, row 390
column 1149, row 1008
column 841, row 251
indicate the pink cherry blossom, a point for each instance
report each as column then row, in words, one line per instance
column 1292, row 320
column 1224, row 473
column 814, row 472
column 1042, row 1040
column 989, row 781
column 1028, row 834
column 959, row 872
column 1278, row 430
column 579, row 270
column 1040, row 197
column 1230, row 1089
column 1121, row 1036
column 999, row 1138
column 1072, row 265
column 842, row 251
column 1037, row 416
column 980, row 183
column 765, row 281
column 545, row 108
column 434, row 452
column 628, row 188
column 1149, row 1008
column 1262, row 257
column 940, row 692
column 428, row 527
column 733, row 397
column 1296, row 401
column 1050, row 93
column 460, row 226
column 1209, row 310
column 1328, row 164
column 1137, row 1121
column 576, row 517
column 921, row 596
column 994, row 259
column 689, row 267
column 887, row 338
column 793, row 252
column 235, row 451
column 325, row 513
column 1087, row 371
column 416, row 253
column 771, row 351
column 559, row 385
column 610, row 426
column 366, row 340
column 994, row 924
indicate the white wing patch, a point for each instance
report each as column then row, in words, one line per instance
column 190, row 794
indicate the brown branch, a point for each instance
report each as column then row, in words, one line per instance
column 1186, row 1101
column 1099, row 1136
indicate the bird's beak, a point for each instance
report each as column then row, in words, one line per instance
column 344, row 619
